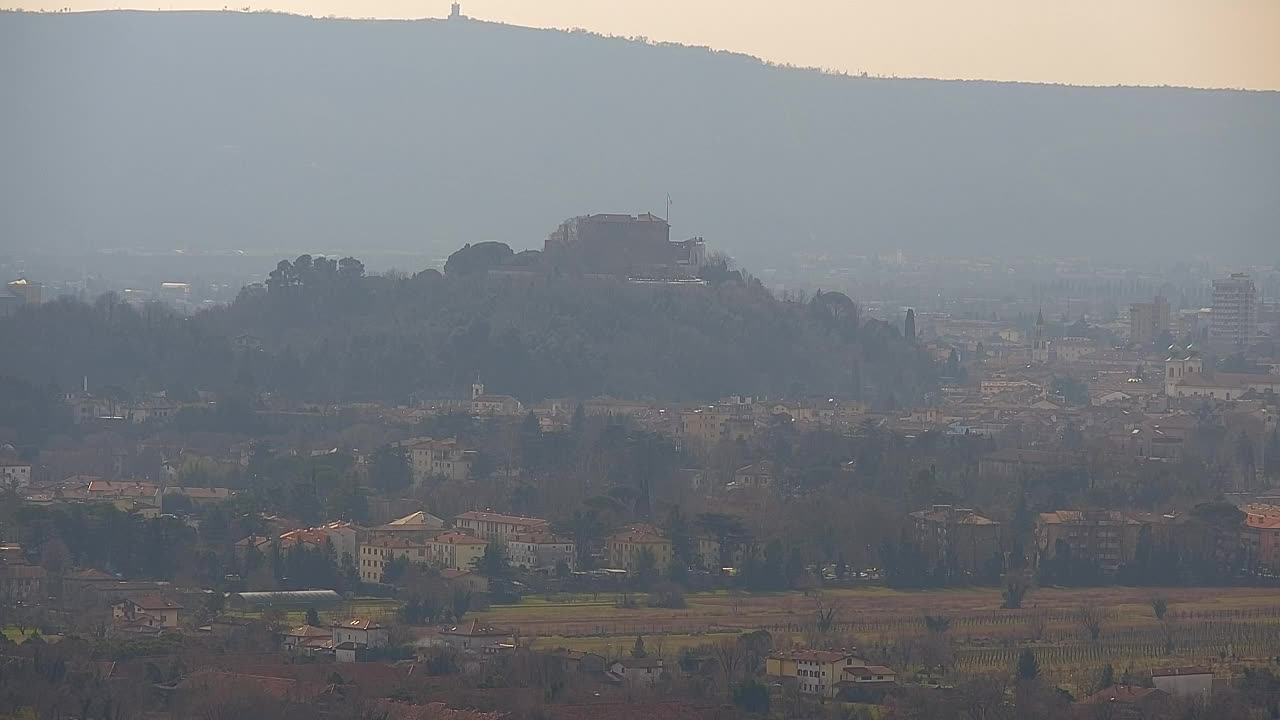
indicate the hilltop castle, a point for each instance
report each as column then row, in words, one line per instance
column 631, row 245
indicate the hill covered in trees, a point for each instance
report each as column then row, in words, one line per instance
column 330, row 333
column 288, row 134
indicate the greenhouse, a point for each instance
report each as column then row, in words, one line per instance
column 285, row 599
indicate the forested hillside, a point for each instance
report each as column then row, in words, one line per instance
column 329, row 333
column 288, row 134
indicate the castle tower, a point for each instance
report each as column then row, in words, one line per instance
column 455, row 12
column 477, row 389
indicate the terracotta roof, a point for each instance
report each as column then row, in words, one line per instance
column 958, row 516
column 359, row 624
column 90, row 574
column 125, row 489
column 281, row 688
column 308, row 631
column 1262, row 522
column 310, row 537
column 394, row 543
column 632, row 711
column 473, row 628
column 484, row 516
column 1122, row 694
column 419, row 518
column 153, row 602
column 868, row 670
column 1086, row 516
column 457, row 538
column 820, row 656
column 538, row 538
column 201, row 493
column 640, row 663
column 1176, row 671
column 638, row 534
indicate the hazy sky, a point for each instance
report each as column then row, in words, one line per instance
column 1201, row 43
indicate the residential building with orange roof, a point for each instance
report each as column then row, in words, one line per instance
column 813, row 672
column 1124, row 702
column 1260, row 537
column 540, row 551
column 456, row 550
column 1105, row 537
column 112, row 489
column 957, row 538
column 626, row 547
column 150, row 610
column 311, row 538
column 445, row 458
column 498, row 527
column 363, row 632
column 377, row 552
column 420, row 526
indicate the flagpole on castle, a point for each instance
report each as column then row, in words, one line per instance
column 668, row 208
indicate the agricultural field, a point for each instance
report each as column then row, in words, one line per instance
column 1117, row 626
column 380, row 609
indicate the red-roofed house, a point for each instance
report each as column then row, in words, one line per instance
column 814, row 672
column 627, row 546
column 1123, row 702
column 496, row 526
column 1260, row 537
column 475, row 635
column 540, row 551
column 362, row 632
column 455, row 550
column 154, row 611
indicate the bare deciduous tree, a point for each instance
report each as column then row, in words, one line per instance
column 1090, row 619
column 1037, row 623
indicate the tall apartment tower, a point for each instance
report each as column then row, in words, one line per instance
column 1234, row 322
column 1148, row 321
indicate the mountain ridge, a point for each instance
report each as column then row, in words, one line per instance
column 217, row 130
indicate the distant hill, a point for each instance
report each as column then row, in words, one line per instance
column 329, row 336
column 258, row 131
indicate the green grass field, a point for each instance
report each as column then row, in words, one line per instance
column 375, row 608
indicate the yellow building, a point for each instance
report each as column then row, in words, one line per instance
column 456, row 551
column 496, row 526
column 627, row 546
column 821, row 672
column 705, row 427
column 376, row 553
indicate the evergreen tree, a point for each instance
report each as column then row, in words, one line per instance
column 1106, row 678
column 1271, row 457
column 638, row 650
column 313, row 617
column 909, row 328
column 390, row 470
column 1028, row 666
